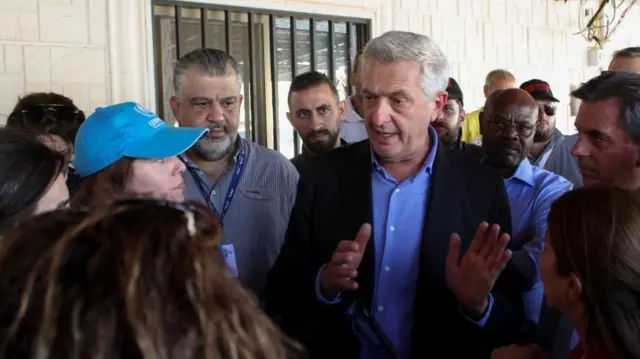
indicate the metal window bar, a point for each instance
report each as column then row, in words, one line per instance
column 252, row 85
column 227, row 31
column 203, row 27
column 313, row 57
column 330, row 65
column 179, row 31
column 294, row 73
column 348, row 57
column 274, row 81
column 258, row 130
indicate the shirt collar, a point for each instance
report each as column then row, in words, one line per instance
column 524, row 173
column 427, row 166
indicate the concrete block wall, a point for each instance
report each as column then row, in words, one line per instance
column 53, row 45
column 76, row 48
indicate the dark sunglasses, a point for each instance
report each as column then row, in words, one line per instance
column 549, row 109
column 59, row 112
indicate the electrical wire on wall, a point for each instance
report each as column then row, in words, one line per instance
column 604, row 22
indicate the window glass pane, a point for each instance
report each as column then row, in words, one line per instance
column 322, row 47
column 192, row 30
column 284, row 77
column 253, row 53
column 166, row 51
column 341, row 64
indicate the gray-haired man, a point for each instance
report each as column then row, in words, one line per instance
column 370, row 231
column 250, row 187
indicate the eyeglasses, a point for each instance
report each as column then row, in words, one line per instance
column 59, row 112
column 523, row 129
column 548, row 109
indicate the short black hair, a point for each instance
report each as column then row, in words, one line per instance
column 633, row 52
column 27, row 170
column 311, row 79
column 622, row 85
column 47, row 113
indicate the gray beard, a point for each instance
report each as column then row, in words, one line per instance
column 212, row 150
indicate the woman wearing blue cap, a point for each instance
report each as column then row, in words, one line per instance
column 125, row 150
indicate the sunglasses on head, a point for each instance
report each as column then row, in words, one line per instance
column 549, row 109
column 59, row 112
column 187, row 210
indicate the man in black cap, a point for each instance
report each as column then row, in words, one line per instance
column 449, row 123
column 547, row 135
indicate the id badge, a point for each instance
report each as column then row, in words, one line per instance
column 229, row 256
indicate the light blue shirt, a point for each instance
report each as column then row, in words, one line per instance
column 531, row 192
column 399, row 215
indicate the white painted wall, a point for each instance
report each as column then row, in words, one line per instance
column 100, row 51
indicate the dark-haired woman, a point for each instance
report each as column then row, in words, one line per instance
column 32, row 178
column 590, row 268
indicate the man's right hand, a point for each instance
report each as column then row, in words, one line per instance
column 340, row 273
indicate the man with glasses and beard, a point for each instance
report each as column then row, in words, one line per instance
column 508, row 125
column 448, row 124
column 547, row 136
column 315, row 112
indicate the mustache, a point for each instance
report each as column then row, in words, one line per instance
column 509, row 146
column 317, row 133
column 218, row 126
column 438, row 122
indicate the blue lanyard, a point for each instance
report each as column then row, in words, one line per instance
column 235, row 180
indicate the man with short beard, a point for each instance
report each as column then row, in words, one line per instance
column 547, row 136
column 315, row 112
column 250, row 187
column 448, row 124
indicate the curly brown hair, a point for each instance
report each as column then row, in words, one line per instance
column 113, row 283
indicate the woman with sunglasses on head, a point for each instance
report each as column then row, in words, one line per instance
column 32, row 178
column 125, row 150
column 106, row 284
column 52, row 118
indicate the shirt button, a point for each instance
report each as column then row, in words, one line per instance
column 387, row 268
column 397, row 190
column 213, row 193
column 392, row 228
column 380, row 308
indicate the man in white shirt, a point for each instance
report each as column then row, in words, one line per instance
column 353, row 129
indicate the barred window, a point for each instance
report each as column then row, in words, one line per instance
column 271, row 48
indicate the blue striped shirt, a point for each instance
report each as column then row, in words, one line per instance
column 257, row 218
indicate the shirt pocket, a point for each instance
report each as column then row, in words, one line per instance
column 260, row 194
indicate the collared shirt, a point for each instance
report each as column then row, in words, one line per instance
column 562, row 162
column 301, row 161
column 531, row 192
column 542, row 158
column 352, row 129
column 258, row 215
column 471, row 128
column 399, row 215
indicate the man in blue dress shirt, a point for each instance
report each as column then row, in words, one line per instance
column 508, row 125
column 400, row 225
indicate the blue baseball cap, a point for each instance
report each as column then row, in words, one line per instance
column 128, row 130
